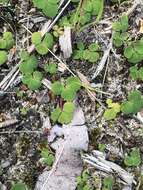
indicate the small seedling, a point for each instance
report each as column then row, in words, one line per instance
column 42, row 46
column 133, row 159
column 120, row 36
column 112, row 111
column 64, row 115
column 50, row 68
column 47, row 157
column 102, row 147
column 49, row 7
column 19, row 186
column 58, row 31
column 68, row 90
column 134, row 51
column 28, row 66
column 134, row 103
column 91, row 54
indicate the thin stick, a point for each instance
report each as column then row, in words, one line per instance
column 103, row 60
column 12, row 79
column 62, row 63
column 8, row 123
column 9, row 75
column 19, row 132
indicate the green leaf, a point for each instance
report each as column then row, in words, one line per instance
column 34, row 81
column 49, row 8
column 48, row 40
column 19, row 186
column 109, row 114
column 24, row 55
column 94, row 47
column 80, row 46
column 133, row 159
column 3, row 44
column 29, row 64
column 51, row 68
column 93, row 57
column 86, row 54
column 78, row 54
column 57, row 88
column 134, row 73
column 74, row 83
column 134, row 103
column 42, row 49
column 140, row 73
column 128, row 52
column 36, row 38
column 124, row 23
column 135, row 95
column 48, row 158
column 68, row 93
column 69, row 107
column 65, row 118
column 55, row 114
column 3, row 57
column 127, row 107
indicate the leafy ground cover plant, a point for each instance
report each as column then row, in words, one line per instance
column 42, row 45
column 112, row 111
column 134, row 51
column 67, row 90
column 83, row 14
column 120, row 35
column 135, row 73
column 64, row 115
column 28, row 66
column 6, row 42
column 91, row 53
column 134, row 103
column 47, row 157
column 48, row 7
column 133, row 159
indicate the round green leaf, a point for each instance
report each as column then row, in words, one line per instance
column 57, row 88
column 36, row 38
column 42, row 49
column 69, row 107
column 3, row 57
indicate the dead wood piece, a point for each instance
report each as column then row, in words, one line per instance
column 65, row 42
